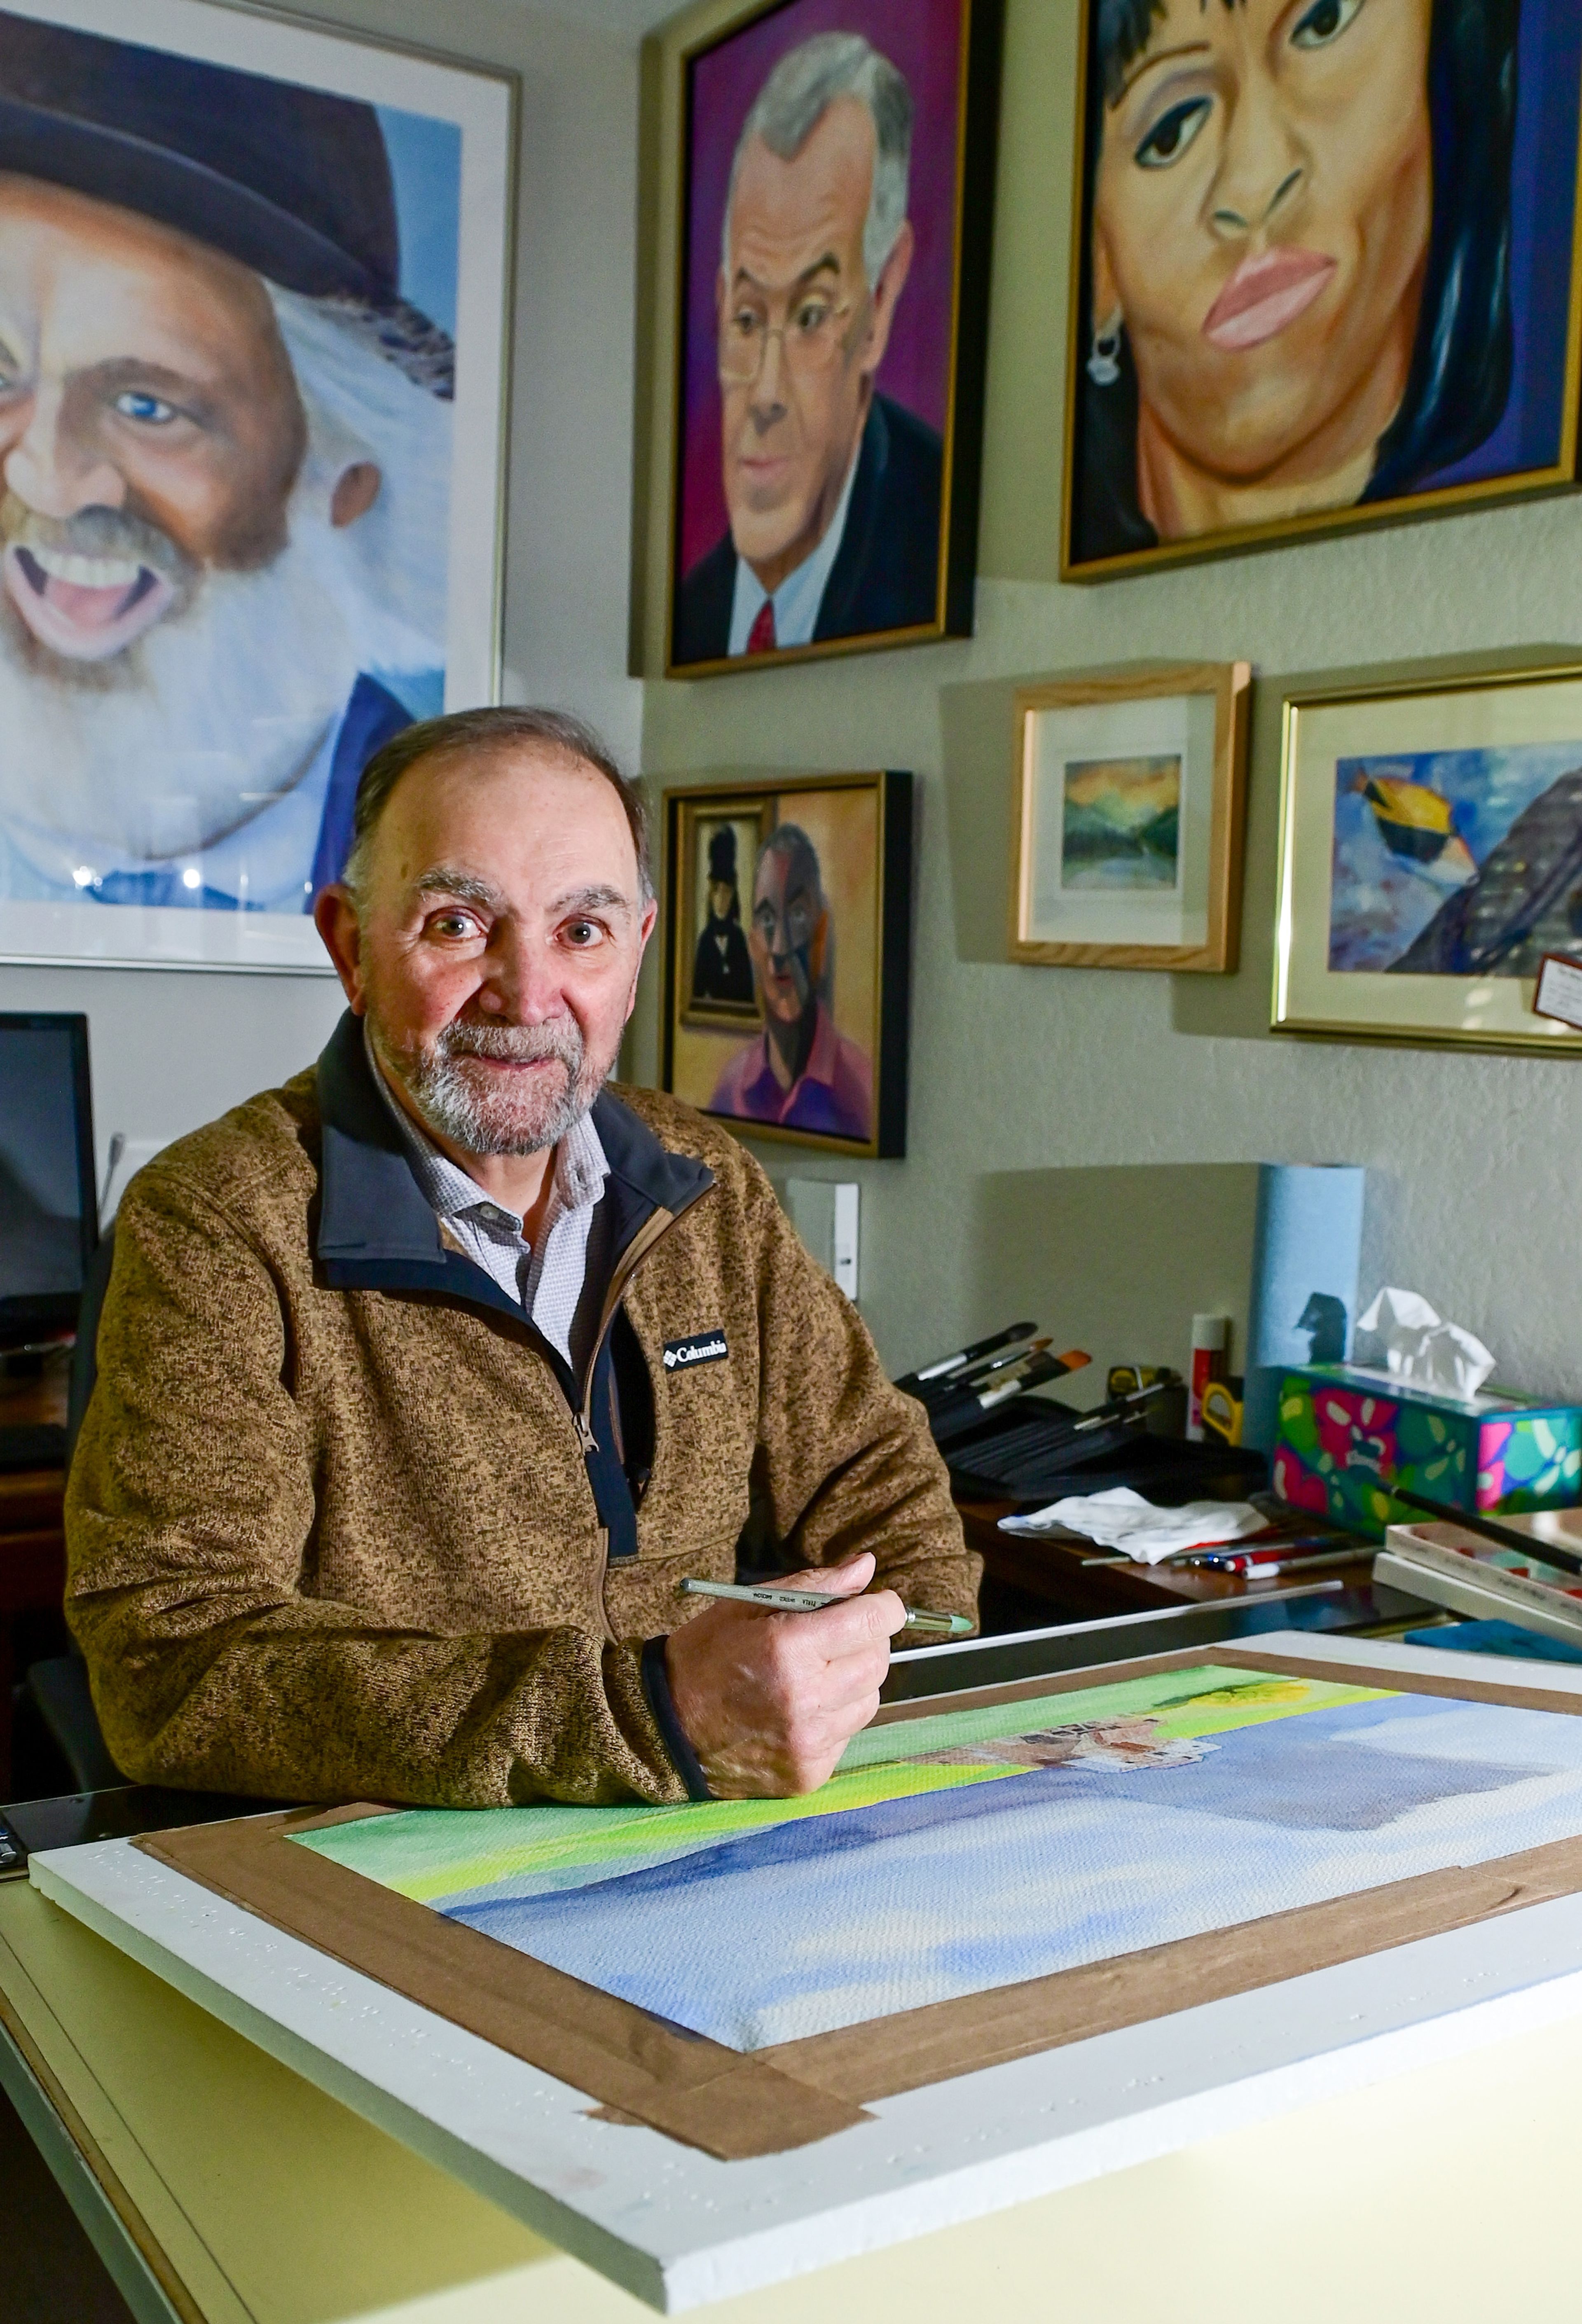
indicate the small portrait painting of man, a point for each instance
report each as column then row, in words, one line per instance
column 1318, row 276
column 227, row 319
column 822, row 246
column 725, row 848
column 801, row 904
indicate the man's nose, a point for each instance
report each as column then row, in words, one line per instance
column 768, row 403
column 53, row 470
column 523, row 983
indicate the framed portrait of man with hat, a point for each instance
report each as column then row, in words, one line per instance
column 254, row 321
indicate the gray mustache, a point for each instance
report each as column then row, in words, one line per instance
column 513, row 1044
column 94, row 532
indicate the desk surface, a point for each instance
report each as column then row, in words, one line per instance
column 1443, row 2196
column 683, row 2229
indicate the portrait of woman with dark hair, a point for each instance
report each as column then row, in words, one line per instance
column 1326, row 264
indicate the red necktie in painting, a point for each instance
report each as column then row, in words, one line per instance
column 761, row 636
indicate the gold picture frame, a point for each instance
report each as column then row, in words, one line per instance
column 895, row 580
column 1128, row 808
column 1491, row 361
column 838, row 1080
column 1430, row 856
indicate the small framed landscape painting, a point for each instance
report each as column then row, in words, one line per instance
column 1431, row 860
column 1325, row 269
column 255, row 324
column 785, row 935
column 1128, row 811
column 836, row 167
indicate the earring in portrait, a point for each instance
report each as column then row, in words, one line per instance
column 1325, row 268
column 785, row 942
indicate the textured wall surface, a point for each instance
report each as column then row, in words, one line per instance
column 1019, row 1072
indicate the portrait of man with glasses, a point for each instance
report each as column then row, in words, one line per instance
column 832, row 489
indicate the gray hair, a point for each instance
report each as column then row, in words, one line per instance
column 463, row 733
column 795, row 98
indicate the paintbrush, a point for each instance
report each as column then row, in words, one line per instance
column 947, row 1365
column 958, row 1414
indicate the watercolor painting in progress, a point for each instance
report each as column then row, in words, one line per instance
column 955, row 1854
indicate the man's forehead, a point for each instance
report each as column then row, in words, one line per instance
column 785, row 215
column 518, row 816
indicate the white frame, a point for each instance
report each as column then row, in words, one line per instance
column 482, row 102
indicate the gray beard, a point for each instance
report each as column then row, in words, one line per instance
column 480, row 1120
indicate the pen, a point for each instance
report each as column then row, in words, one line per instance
column 1248, row 1569
column 808, row 1601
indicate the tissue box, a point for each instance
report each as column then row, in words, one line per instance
column 1345, row 1435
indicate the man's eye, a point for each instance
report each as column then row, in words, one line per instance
column 453, row 923
column 812, row 314
column 1325, row 21
column 745, row 323
column 150, row 410
column 1171, row 134
column 582, row 933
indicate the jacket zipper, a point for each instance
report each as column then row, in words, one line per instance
column 650, row 1234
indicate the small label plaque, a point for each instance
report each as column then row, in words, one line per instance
column 1559, row 989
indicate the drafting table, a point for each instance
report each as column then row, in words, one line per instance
column 1404, row 2149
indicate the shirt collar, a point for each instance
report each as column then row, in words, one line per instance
column 580, row 1164
column 802, row 593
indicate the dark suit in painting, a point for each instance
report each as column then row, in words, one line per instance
column 722, row 967
column 886, row 574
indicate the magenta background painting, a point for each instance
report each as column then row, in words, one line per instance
column 922, row 38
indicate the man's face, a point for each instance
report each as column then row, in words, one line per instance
column 802, row 334
column 721, row 892
column 150, row 423
column 496, row 947
column 787, row 938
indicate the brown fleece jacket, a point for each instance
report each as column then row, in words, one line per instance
column 329, row 1542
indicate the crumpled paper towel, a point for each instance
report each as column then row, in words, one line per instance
column 1423, row 1350
column 1122, row 1519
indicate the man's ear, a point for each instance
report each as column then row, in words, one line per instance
column 334, row 915
column 357, row 488
column 887, row 290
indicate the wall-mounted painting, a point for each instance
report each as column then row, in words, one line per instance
column 1128, row 804
column 1325, row 268
column 838, row 161
column 786, row 935
column 254, row 324
column 1431, row 860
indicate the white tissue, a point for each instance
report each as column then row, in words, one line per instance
column 1122, row 1519
column 1423, row 1350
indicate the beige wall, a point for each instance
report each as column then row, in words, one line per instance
column 172, row 1049
column 1045, row 1101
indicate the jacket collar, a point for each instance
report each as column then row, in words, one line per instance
column 376, row 1227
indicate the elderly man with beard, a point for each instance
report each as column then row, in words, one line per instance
column 424, row 1381
column 225, row 450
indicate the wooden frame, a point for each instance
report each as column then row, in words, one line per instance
column 1378, row 937
column 1530, row 445
column 736, row 2104
column 1137, row 729
column 863, row 970
column 694, row 646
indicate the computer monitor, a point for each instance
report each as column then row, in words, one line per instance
column 49, row 1210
